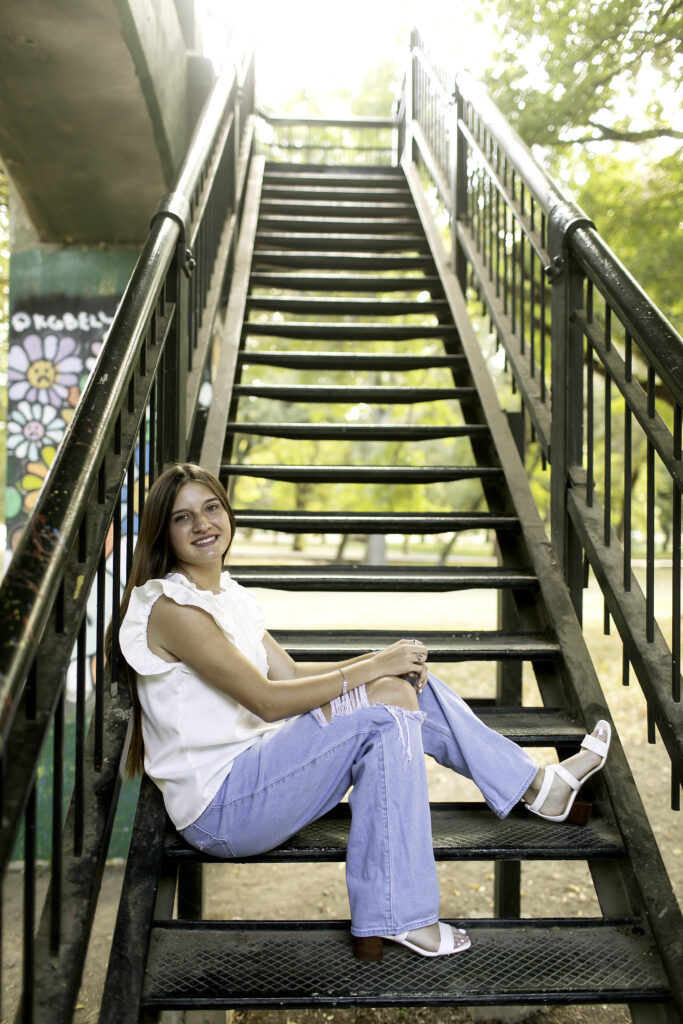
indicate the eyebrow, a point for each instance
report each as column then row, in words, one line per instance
column 175, row 511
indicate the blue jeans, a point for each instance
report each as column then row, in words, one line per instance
column 291, row 777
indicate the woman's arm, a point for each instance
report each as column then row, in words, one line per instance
column 188, row 634
column 282, row 666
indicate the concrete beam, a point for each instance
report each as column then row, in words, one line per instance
column 93, row 113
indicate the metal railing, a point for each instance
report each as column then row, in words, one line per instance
column 136, row 413
column 574, row 325
column 321, row 140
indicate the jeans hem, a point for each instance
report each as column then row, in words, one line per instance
column 515, row 800
column 363, row 933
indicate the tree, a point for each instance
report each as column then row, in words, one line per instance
column 593, row 82
column 576, row 70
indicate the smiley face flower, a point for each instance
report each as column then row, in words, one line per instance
column 43, row 369
column 31, row 427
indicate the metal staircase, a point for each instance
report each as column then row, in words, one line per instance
column 320, row 304
column 317, row 310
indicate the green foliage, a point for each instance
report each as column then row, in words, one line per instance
column 583, row 78
column 638, row 215
column 576, row 70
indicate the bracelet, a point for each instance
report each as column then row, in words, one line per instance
column 345, row 682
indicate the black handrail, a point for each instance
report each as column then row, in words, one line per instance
column 541, row 269
column 135, row 414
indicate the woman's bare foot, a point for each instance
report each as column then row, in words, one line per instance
column 580, row 766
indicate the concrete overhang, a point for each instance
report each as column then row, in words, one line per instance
column 93, row 113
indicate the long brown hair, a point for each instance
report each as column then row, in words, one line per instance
column 154, row 559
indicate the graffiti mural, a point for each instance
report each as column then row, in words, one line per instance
column 53, row 348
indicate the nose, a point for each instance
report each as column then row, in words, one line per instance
column 200, row 523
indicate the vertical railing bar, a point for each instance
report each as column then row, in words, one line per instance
column 589, row 426
column 28, row 967
column 628, row 497
column 522, row 283
column 650, row 527
column 532, row 312
column 116, row 597
column 154, row 460
column 57, row 814
column 79, row 755
column 676, row 566
column 100, row 617
column 142, row 462
column 543, row 339
column 607, row 464
column 130, row 515
column 513, row 283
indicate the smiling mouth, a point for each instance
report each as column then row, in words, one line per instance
column 204, row 541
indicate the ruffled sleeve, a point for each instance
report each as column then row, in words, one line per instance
column 133, row 630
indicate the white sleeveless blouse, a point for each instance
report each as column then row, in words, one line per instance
column 192, row 731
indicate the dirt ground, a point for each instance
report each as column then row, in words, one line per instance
column 282, row 891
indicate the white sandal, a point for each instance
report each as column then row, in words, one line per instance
column 553, row 771
column 452, row 940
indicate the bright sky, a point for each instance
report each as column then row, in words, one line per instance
column 321, row 46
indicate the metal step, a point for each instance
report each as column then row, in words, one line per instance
column 343, row 331
column 344, row 283
column 451, row 646
column 415, row 475
column 341, row 261
column 460, row 831
column 319, row 175
column 294, row 964
column 348, row 360
column 346, row 208
column 363, row 191
column 356, row 431
column 383, row 578
column 373, row 522
column 377, row 308
column 351, row 394
column 322, row 242
column 308, row 223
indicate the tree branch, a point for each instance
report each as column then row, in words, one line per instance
column 608, row 134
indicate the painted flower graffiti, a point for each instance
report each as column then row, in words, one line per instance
column 31, row 427
column 44, row 369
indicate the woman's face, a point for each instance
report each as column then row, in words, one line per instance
column 199, row 529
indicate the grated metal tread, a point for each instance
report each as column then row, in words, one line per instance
column 381, row 192
column 348, row 242
column 371, row 522
column 341, row 261
column 295, row 281
column 382, row 578
column 279, row 964
column 327, row 224
column 454, row 645
column 365, row 474
column 460, row 831
column 351, row 393
column 361, row 432
column 349, row 361
column 351, row 208
column 349, row 331
column 378, row 308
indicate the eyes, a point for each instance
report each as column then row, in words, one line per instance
column 210, row 509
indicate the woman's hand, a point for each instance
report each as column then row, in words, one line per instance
column 404, row 658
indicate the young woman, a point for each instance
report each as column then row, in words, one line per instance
column 247, row 746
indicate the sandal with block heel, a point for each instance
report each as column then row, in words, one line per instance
column 577, row 814
column 452, row 940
